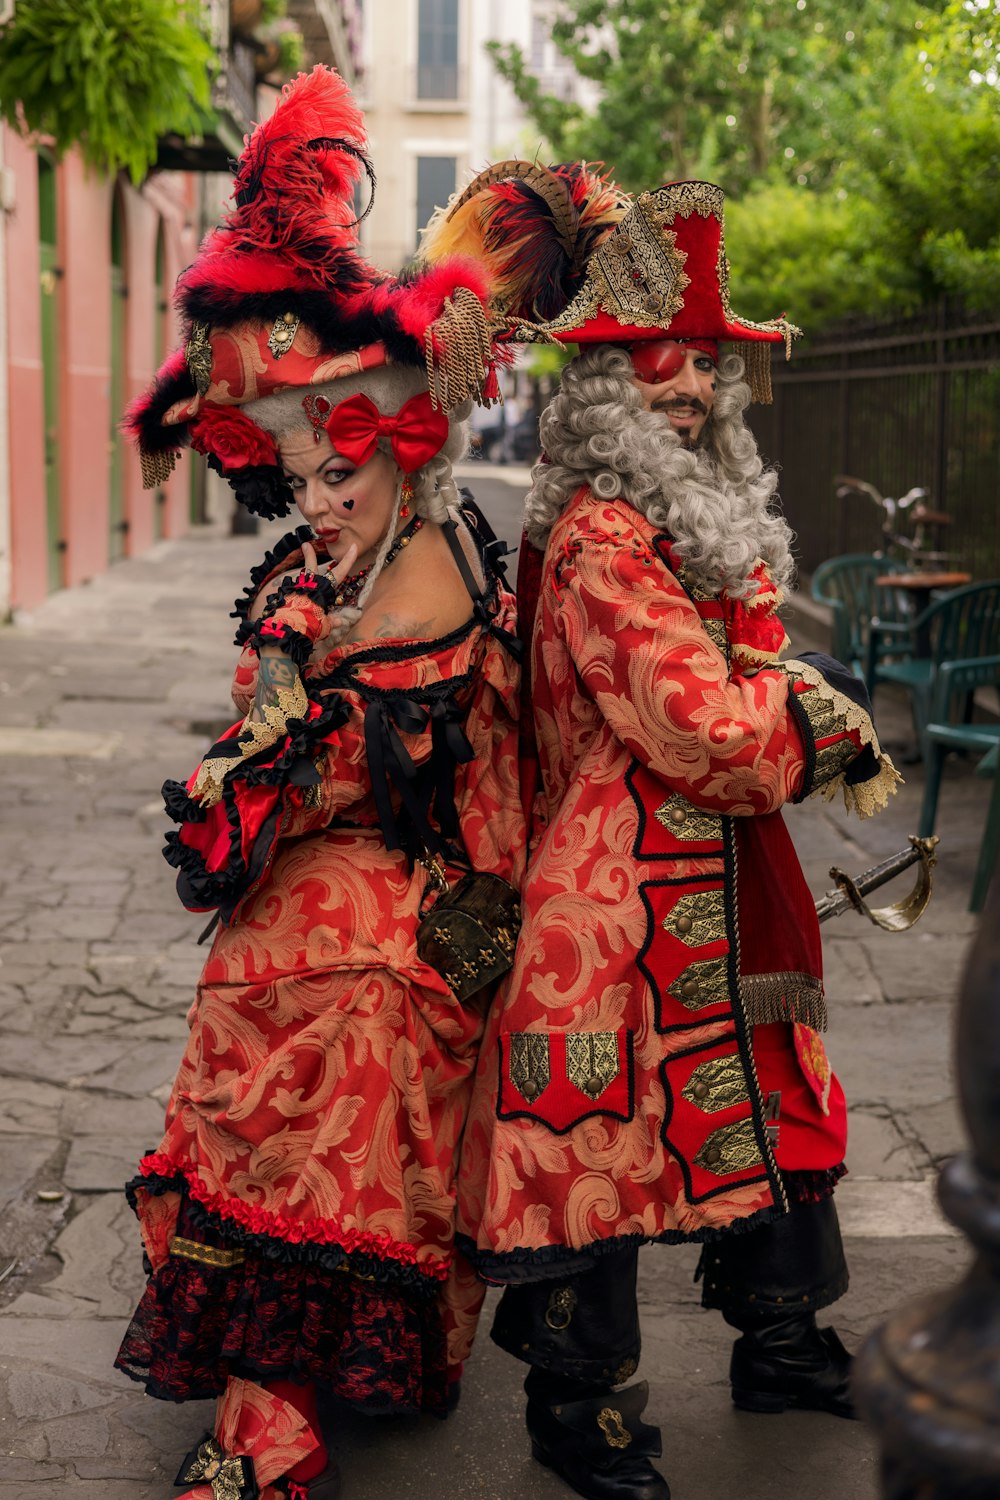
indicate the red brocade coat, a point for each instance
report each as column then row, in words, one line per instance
column 668, row 975
column 310, row 1157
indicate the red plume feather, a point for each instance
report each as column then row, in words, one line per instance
column 294, row 186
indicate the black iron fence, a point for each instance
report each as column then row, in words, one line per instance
column 912, row 402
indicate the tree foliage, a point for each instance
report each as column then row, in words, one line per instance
column 111, row 76
column 858, row 143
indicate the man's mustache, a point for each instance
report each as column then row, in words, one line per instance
column 689, row 403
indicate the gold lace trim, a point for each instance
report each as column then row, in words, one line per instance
column 255, row 736
column 705, row 982
column 716, row 1084
column 784, row 996
column 868, row 797
column 698, row 918
column 530, row 1068
column 198, row 357
column 731, row 1148
column 592, row 1061
column 686, row 822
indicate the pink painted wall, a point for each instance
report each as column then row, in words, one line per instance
column 85, row 251
column 84, row 204
column 29, row 562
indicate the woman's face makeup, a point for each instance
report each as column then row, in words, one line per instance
column 341, row 503
column 676, row 379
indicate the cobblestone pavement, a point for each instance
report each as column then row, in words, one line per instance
column 112, row 687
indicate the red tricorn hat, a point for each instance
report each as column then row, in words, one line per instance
column 655, row 269
column 280, row 295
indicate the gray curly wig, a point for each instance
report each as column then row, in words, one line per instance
column 716, row 500
column 388, row 386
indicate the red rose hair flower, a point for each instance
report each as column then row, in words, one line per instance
column 230, row 436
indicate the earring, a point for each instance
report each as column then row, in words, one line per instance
column 406, row 495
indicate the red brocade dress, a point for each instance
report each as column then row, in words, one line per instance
column 298, row 1214
column 667, row 985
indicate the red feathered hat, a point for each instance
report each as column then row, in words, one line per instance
column 654, row 268
column 280, row 295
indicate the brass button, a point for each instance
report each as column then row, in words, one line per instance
column 620, row 244
column 530, row 1089
column 690, row 988
column 653, row 302
column 700, row 1089
column 712, row 1153
column 678, row 815
column 684, row 924
column 593, row 1086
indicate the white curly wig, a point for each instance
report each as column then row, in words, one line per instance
column 715, row 499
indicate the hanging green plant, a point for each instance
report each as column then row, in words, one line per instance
column 109, row 76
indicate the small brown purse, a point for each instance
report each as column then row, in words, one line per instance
column 470, row 932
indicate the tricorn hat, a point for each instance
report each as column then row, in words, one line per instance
column 280, row 296
column 655, row 269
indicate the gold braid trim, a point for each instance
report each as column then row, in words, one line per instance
column 457, row 350
column 255, row 735
column 867, row 797
column 206, row 1255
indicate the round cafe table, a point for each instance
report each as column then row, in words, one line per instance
column 920, row 587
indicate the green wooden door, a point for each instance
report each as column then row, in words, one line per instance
column 117, row 523
column 48, row 265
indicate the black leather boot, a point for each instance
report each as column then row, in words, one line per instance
column 597, row 1443
column 580, row 1334
column 791, row 1362
column 769, row 1283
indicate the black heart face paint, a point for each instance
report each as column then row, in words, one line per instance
column 347, row 504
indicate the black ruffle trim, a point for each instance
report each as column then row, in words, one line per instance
column 511, row 1266
column 317, row 588
column 383, row 1272
column 382, row 1348
column 291, row 643
column 201, row 889
column 262, row 488
column 291, row 542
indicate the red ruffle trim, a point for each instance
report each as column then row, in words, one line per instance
column 316, row 1231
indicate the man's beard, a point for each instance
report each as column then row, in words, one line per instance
column 687, row 439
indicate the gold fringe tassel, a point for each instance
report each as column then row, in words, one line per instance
column 156, row 468
column 457, row 349
column 769, row 998
column 756, row 355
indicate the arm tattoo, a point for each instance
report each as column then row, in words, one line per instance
column 275, row 672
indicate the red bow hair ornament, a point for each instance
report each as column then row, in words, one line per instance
column 416, row 432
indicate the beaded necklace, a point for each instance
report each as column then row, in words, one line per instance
column 350, row 589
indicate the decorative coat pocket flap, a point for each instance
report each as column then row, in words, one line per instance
column 562, row 1077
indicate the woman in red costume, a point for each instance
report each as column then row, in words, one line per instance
column 298, row 1214
column 653, row 1069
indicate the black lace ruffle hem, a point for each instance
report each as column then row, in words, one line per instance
column 379, row 1347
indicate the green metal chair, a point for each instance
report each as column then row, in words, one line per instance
column 954, row 682
column 847, row 586
column 962, row 627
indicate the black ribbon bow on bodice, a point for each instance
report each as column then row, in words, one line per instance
column 425, row 789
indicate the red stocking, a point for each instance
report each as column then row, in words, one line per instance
column 303, row 1398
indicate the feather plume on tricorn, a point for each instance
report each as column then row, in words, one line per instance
column 533, row 227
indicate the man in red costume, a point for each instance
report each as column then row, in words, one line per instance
column 655, row 1070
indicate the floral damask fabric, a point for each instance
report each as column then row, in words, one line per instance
column 315, row 1116
column 662, row 742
